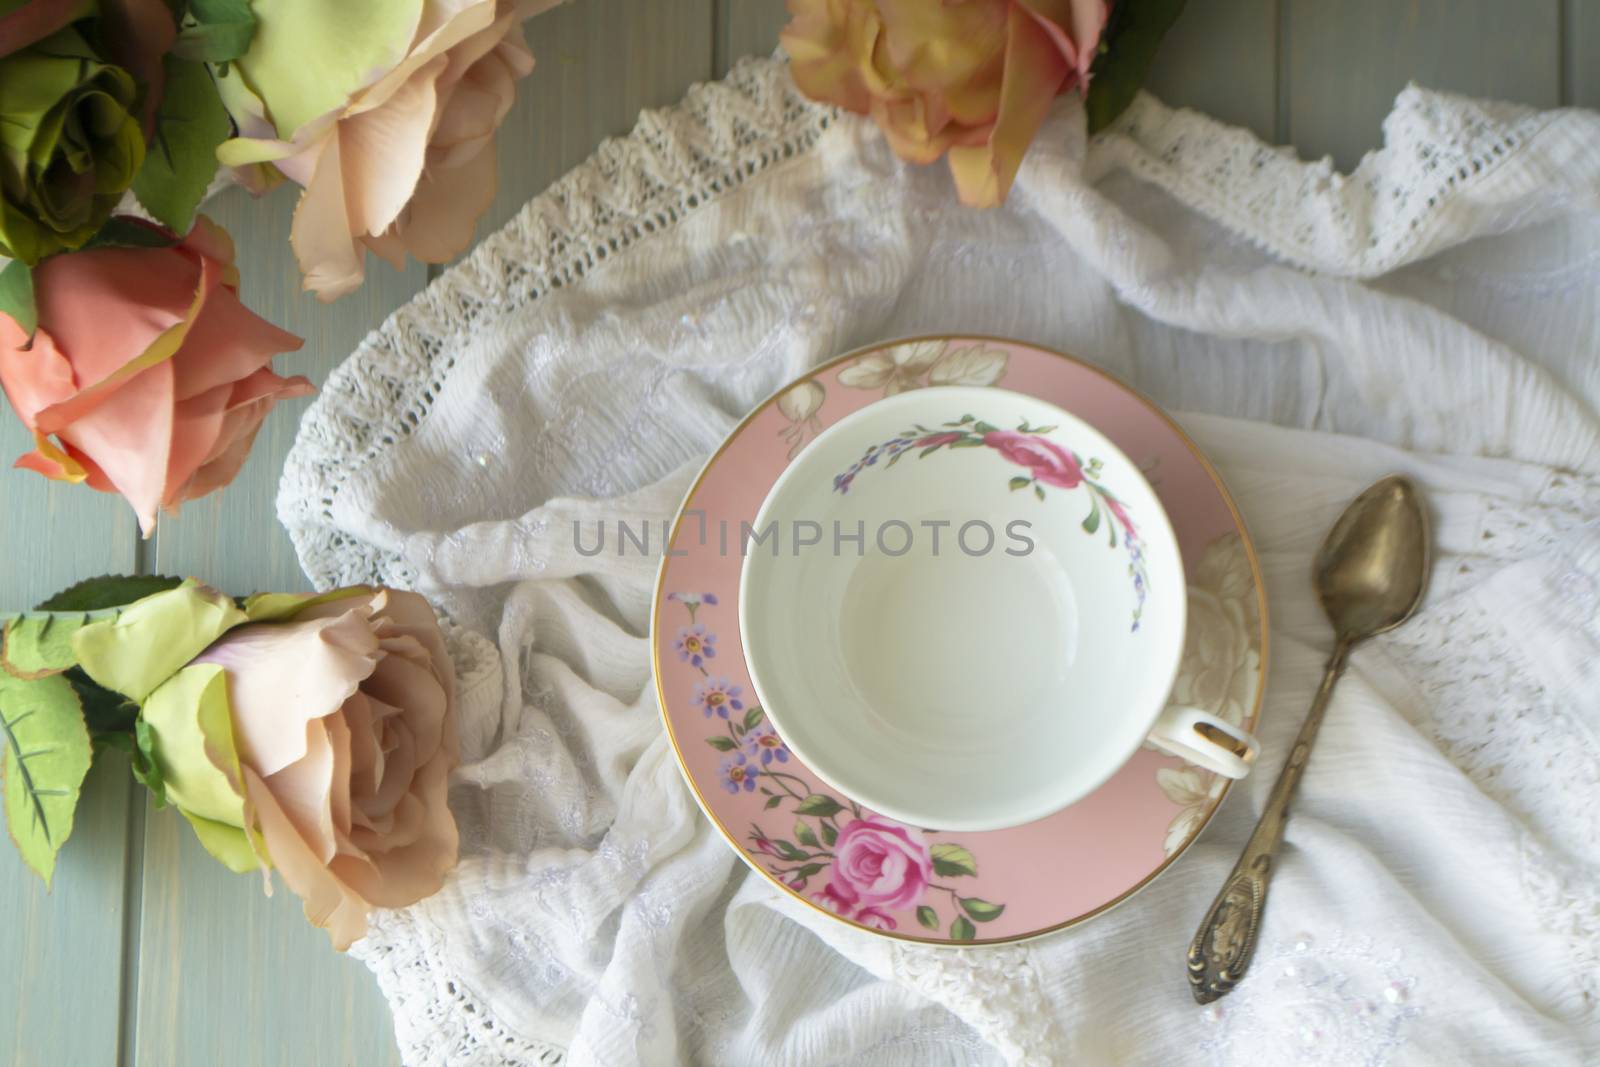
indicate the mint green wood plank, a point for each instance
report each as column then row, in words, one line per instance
column 1221, row 57
column 747, row 28
column 61, row 987
column 597, row 63
column 1581, row 61
column 225, row 975
column 1347, row 60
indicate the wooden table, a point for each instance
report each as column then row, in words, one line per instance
column 148, row 952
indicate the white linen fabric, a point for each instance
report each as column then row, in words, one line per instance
column 1436, row 312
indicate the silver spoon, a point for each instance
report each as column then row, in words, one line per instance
column 1370, row 574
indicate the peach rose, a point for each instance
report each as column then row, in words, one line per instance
column 313, row 734
column 971, row 78
column 146, row 369
column 402, row 158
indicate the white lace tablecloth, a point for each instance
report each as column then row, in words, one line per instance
column 1436, row 312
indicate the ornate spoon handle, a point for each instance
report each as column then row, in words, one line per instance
column 1222, row 946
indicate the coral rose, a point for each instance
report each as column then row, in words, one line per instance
column 971, row 78
column 150, row 374
column 314, row 734
column 386, row 113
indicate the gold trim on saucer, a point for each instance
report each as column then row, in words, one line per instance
column 1252, row 721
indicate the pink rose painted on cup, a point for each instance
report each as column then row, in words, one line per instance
column 875, row 919
column 882, row 864
column 1048, row 461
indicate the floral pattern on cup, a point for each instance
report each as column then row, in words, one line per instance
column 1046, row 463
column 847, row 860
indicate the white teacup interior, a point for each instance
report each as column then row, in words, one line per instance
column 938, row 621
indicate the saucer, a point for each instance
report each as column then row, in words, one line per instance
column 929, row 884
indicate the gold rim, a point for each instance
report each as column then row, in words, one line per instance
column 733, row 435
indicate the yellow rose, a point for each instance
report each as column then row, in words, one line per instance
column 971, row 79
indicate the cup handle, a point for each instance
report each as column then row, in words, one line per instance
column 1205, row 740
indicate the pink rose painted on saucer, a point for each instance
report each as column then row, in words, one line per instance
column 881, row 864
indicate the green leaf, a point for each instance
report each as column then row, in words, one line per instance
column 818, row 804
column 962, row 929
column 47, row 754
column 105, row 711
column 753, row 717
column 1038, row 491
column 1021, row 481
column 983, row 427
column 803, row 834
column 928, row 917
column 108, row 591
column 829, row 834
column 981, row 910
column 967, row 442
column 952, row 861
column 930, row 448
column 16, row 295
column 152, row 639
column 789, row 852
column 33, row 646
column 738, row 728
column 125, row 231
column 1132, row 35
column 721, row 744
column 1092, row 523
column 215, row 31
column 809, row 869
column 145, row 767
column 774, row 802
column 190, row 124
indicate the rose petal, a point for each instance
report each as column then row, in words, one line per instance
column 329, row 257
column 405, row 875
column 305, row 788
column 382, row 151
column 282, row 675
column 328, row 901
column 438, row 224
column 33, row 377
column 104, row 306
column 129, row 435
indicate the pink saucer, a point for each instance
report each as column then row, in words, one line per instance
column 885, row 877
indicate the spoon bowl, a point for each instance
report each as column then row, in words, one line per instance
column 1373, row 565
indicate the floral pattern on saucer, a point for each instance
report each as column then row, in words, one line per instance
column 1220, row 671
column 859, row 865
column 1046, row 462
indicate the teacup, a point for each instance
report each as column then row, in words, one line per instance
column 964, row 608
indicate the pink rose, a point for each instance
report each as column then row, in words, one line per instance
column 874, row 918
column 840, row 900
column 880, row 864
column 147, row 371
column 404, row 164
column 345, row 721
column 1048, row 461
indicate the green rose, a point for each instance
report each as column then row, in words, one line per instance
column 70, row 143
